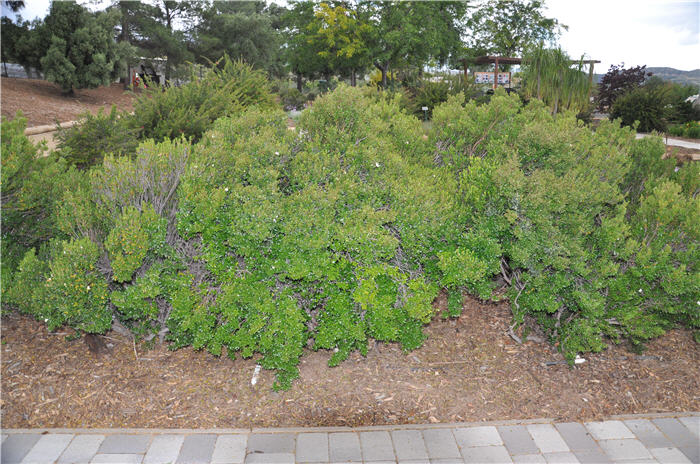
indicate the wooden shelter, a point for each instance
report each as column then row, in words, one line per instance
column 496, row 60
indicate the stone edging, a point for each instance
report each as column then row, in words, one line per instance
column 36, row 130
column 107, row 431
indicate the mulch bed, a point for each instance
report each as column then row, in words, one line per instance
column 468, row 370
column 42, row 102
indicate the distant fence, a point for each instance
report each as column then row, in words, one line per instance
column 15, row 70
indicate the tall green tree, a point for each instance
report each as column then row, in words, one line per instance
column 166, row 29
column 343, row 36
column 302, row 51
column 551, row 76
column 413, row 33
column 508, row 27
column 82, row 51
column 243, row 30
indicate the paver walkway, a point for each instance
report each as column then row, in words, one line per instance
column 662, row 438
column 673, row 142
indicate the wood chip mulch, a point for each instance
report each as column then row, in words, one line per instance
column 468, row 370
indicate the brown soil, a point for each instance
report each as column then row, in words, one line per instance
column 682, row 154
column 42, row 102
column 468, row 370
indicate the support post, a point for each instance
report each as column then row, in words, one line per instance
column 495, row 76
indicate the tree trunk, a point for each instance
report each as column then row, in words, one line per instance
column 383, row 69
column 4, row 64
column 300, row 85
column 353, row 78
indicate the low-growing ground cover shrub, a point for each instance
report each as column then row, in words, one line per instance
column 262, row 241
column 599, row 235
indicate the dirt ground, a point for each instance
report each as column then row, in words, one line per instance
column 468, row 370
column 42, row 103
column 682, row 153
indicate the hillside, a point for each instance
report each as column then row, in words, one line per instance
column 671, row 74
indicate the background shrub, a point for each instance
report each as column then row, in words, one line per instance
column 689, row 130
column 188, row 110
column 647, row 104
column 87, row 142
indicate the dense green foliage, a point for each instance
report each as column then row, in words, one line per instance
column 551, row 76
column 86, row 142
column 82, row 51
column 263, row 241
column 644, row 104
column 690, row 130
column 32, row 185
column 161, row 113
column 188, row 110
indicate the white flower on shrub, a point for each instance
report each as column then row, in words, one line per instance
column 88, row 287
column 376, row 165
column 226, row 189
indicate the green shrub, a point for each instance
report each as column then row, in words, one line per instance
column 189, row 110
column 262, row 241
column 87, row 142
column 689, row 130
column 646, row 104
column 32, row 185
column 572, row 256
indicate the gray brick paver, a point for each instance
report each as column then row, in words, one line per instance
column 517, row 439
column 48, row 448
column 590, row 456
column 164, row 449
column 409, row 445
column 312, row 447
column 477, row 436
column 441, row 444
column 229, row 449
column 344, row 447
column 669, row 455
column 81, row 449
column 692, row 423
column 648, row 433
column 692, row 452
column 197, row 449
column 561, row 458
column 577, row 436
column 270, row 458
column 528, row 458
column 16, row 446
column 117, row 458
column 271, row 443
column 377, row 446
column 547, row 438
column 125, row 444
column 609, row 430
column 678, row 433
column 625, row 449
column 486, row 454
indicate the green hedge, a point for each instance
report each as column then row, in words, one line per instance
column 263, row 241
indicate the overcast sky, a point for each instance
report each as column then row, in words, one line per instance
column 636, row 32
